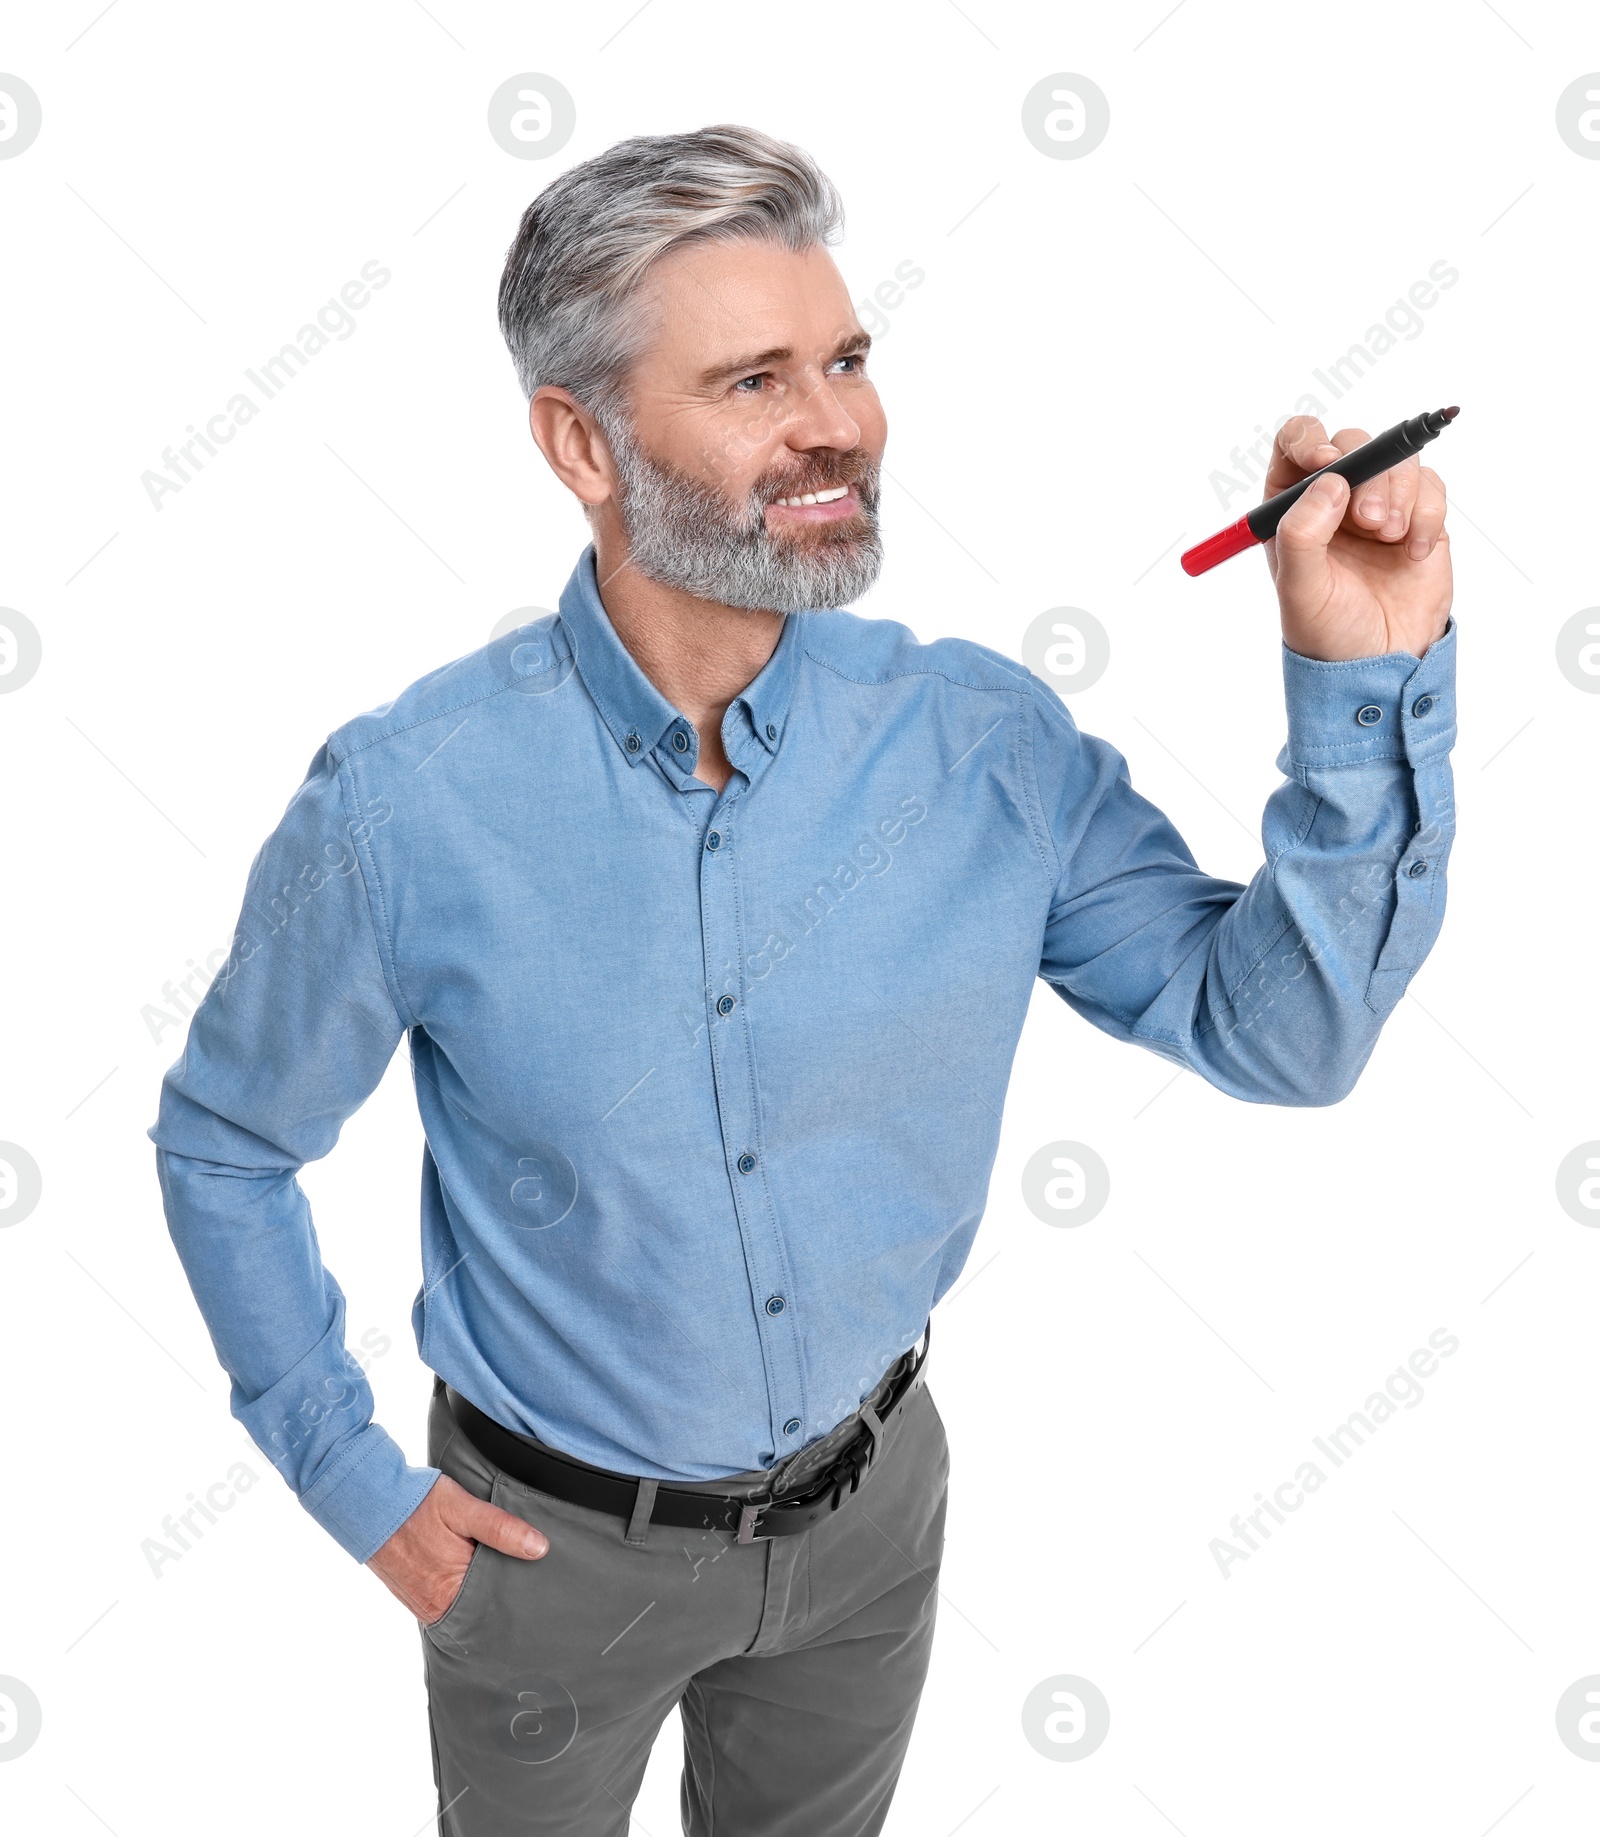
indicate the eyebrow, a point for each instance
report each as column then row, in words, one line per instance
column 857, row 343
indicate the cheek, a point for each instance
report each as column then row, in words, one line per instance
column 739, row 445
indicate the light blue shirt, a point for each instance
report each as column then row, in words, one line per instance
column 712, row 1082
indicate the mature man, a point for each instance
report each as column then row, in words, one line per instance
column 712, row 913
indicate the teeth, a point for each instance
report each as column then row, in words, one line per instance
column 816, row 497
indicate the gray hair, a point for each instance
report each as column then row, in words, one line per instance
column 569, row 307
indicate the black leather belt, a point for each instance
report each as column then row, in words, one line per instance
column 748, row 1518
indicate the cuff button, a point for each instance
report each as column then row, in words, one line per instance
column 1369, row 716
column 1422, row 705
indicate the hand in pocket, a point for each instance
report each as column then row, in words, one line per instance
column 425, row 1562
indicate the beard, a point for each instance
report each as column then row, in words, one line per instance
column 683, row 533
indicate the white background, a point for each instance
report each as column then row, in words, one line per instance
column 1091, row 339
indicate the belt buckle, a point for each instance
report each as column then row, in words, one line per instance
column 749, row 1516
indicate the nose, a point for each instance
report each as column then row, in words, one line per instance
column 819, row 418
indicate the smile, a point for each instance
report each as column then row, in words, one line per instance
column 819, row 506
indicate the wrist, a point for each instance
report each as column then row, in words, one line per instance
column 1355, row 710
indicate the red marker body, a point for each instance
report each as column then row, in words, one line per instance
column 1260, row 522
column 1230, row 541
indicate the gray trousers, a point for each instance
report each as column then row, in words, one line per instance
column 796, row 1663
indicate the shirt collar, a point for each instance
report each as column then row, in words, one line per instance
column 632, row 707
column 638, row 716
column 766, row 700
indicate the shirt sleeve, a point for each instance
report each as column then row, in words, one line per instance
column 292, row 1037
column 1274, row 992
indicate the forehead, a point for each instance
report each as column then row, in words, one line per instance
column 715, row 303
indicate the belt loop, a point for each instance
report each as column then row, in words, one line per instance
column 643, row 1505
column 874, row 1428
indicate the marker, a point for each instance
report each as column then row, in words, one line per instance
column 1357, row 466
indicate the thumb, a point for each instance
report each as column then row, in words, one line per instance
column 1303, row 537
column 488, row 1524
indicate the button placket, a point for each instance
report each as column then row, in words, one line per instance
column 739, row 1111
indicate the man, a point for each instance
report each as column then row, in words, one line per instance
column 712, row 915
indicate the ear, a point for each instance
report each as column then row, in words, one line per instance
column 572, row 443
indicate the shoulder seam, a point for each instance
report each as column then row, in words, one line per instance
column 869, row 682
column 394, row 733
column 1042, row 835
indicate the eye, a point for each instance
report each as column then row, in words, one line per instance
column 759, row 378
column 858, row 358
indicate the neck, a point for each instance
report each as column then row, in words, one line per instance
column 698, row 653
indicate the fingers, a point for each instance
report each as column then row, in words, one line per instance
column 1304, row 576
column 1369, row 506
column 488, row 1524
column 1300, row 446
column 1427, row 515
column 1383, row 505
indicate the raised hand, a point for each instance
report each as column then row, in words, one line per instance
column 1357, row 574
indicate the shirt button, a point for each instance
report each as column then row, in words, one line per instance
column 747, row 1165
column 1421, row 705
column 680, row 741
column 1369, row 716
column 725, row 1004
column 772, row 732
column 1417, row 869
column 792, row 1426
column 633, row 743
column 714, row 841
column 774, row 1304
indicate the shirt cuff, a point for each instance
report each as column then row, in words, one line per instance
column 368, row 1493
column 1396, row 706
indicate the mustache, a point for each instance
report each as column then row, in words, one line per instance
column 855, row 467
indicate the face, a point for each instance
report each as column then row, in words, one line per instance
column 752, row 397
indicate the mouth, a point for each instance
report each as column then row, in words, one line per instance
column 834, row 504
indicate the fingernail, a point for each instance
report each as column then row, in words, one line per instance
column 1417, row 547
column 533, row 1544
column 1330, row 488
column 1372, row 509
